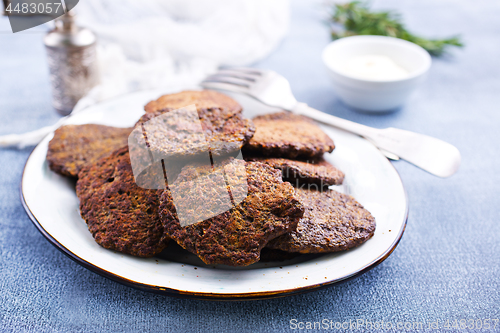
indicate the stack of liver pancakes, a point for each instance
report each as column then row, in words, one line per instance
column 264, row 183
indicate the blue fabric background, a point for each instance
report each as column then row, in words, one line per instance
column 446, row 266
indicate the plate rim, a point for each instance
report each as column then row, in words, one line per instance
column 204, row 295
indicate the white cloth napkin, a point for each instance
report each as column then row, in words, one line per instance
column 158, row 44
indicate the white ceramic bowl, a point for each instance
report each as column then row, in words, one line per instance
column 369, row 94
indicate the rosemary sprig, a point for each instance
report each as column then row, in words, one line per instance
column 357, row 19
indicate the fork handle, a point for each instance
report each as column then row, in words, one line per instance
column 359, row 129
column 430, row 154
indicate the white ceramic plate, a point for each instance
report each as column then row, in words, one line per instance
column 51, row 203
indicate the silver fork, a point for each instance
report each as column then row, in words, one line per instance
column 430, row 154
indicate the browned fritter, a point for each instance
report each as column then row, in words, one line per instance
column 175, row 136
column 204, row 100
column 234, row 237
column 285, row 134
column 317, row 171
column 74, row 146
column 120, row 215
column 332, row 222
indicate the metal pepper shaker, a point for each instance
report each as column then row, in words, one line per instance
column 71, row 53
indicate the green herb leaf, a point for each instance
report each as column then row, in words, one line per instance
column 357, row 19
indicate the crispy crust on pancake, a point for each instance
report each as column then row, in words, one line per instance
column 74, row 146
column 221, row 132
column 285, row 134
column 204, row 100
column 120, row 215
column 318, row 171
column 332, row 222
column 237, row 236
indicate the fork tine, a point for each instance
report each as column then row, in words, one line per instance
column 223, row 86
column 247, row 70
column 239, row 74
column 229, row 80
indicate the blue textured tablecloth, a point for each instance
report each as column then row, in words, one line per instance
column 445, row 268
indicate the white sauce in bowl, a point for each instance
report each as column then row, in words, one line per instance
column 374, row 67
